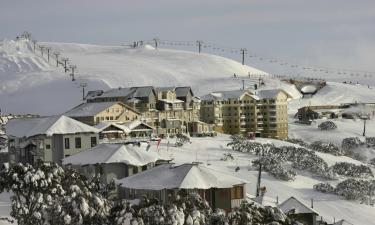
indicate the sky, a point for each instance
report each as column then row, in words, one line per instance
column 332, row 33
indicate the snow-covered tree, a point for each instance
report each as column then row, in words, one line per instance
column 274, row 166
column 48, row 194
column 327, row 125
column 324, row 187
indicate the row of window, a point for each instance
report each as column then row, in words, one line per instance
column 78, row 142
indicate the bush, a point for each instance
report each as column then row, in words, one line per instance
column 273, row 166
column 353, row 189
column 327, row 125
column 330, row 148
column 352, row 170
column 370, row 142
column 324, row 187
column 351, row 143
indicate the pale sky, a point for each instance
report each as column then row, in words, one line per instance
column 335, row 33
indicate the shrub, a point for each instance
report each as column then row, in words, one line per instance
column 352, row 170
column 330, row 148
column 327, row 125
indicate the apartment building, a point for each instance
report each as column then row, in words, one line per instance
column 241, row 111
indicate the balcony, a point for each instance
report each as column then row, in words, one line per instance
column 260, row 122
column 242, row 117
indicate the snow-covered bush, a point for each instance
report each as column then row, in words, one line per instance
column 227, row 156
column 274, row 166
column 372, row 161
column 297, row 141
column 352, row 170
column 324, row 187
column 330, row 148
column 353, row 189
column 249, row 213
column 327, row 125
column 350, row 143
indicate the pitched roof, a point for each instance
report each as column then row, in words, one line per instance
column 294, row 206
column 183, row 91
column 46, row 125
column 159, row 89
column 127, row 127
column 271, row 93
column 140, row 92
column 113, row 153
column 185, row 176
column 224, row 95
column 89, row 109
column 116, row 92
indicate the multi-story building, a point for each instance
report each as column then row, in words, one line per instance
column 48, row 139
column 241, row 111
column 168, row 109
column 92, row 113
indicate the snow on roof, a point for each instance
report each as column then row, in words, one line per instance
column 185, row 176
column 267, row 94
column 342, row 222
column 308, row 89
column 116, row 92
column 89, row 109
column 127, row 127
column 113, row 153
column 47, row 125
column 224, row 95
column 298, row 207
column 161, row 89
column 171, row 100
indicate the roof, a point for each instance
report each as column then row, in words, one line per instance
column 140, row 92
column 224, row 95
column 113, row 153
column 160, row 89
column 342, row 222
column 127, row 127
column 294, row 204
column 183, row 91
column 267, row 94
column 116, row 92
column 49, row 126
column 93, row 94
column 185, row 176
column 89, row 109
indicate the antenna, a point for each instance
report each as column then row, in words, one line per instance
column 243, row 50
column 83, row 85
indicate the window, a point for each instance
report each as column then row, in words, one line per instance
column 93, row 141
column 66, row 143
column 48, row 146
column 78, row 142
column 237, row 192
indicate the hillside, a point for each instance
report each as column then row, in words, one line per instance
column 31, row 84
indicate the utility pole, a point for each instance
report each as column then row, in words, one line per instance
column 364, row 125
column 199, row 43
column 72, row 68
column 48, row 49
column 259, row 173
column 57, row 58
column 41, row 49
column 243, row 84
column 34, row 42
column 83, row 85
column 243, row 50
column 156, row 42
column 65, row 60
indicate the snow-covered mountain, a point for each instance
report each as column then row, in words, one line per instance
column 31, row 84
